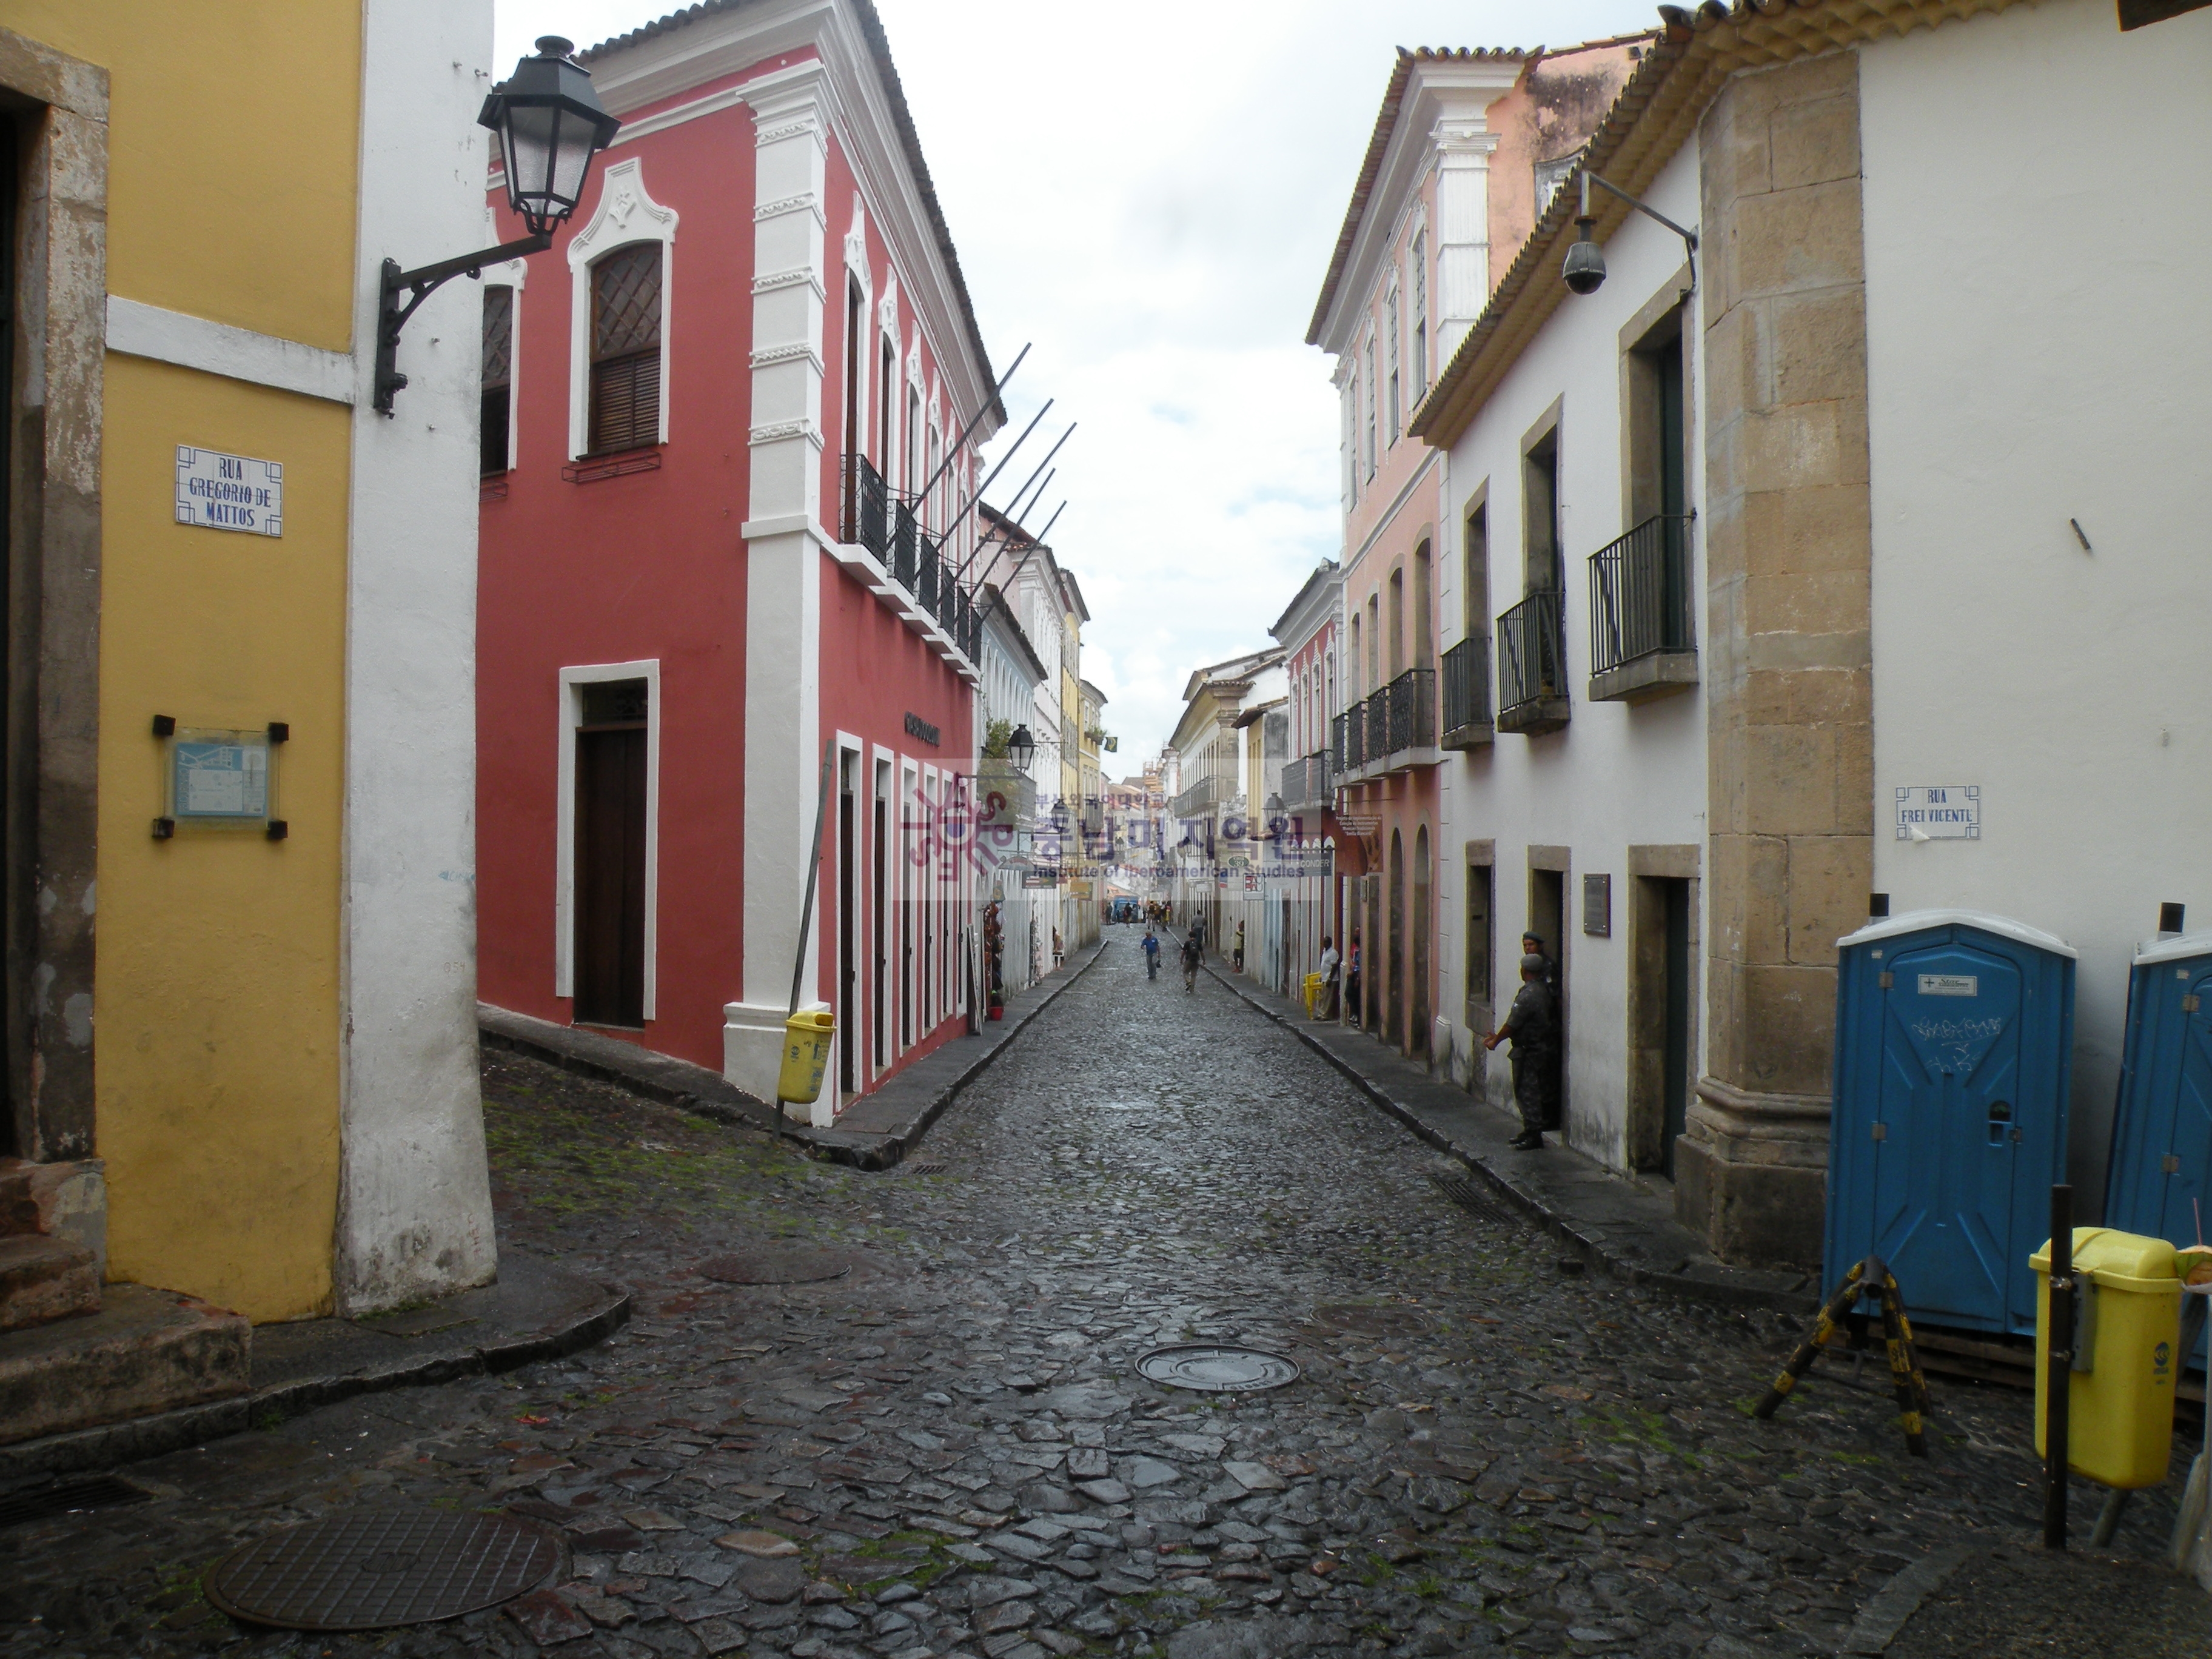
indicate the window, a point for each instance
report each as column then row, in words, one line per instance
column 1550, row 175
column 1397, row 401
column 1420, row 315
column 1475, row 567
column 885, row 384
column 1371, row 409
column 912, row 438
column 625, row 393
column 493, row 430
column 1479, row 879
column 1352, row 444
column 1540, row 467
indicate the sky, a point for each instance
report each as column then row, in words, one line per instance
column 1147, row 194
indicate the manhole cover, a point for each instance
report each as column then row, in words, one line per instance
column 375, row 1568
column 1212, row 1369
column 776, row 1267
column 1357, row 1319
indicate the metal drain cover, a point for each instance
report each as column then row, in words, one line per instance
column 1357, row 1319
column 776, row 1267
column 375, row 1568
column 1212, row 1369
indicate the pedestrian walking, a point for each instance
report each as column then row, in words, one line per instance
column 1330, row 965
column 1239, row 957
column 1190, row 956
column 1198, row 935
column 1532, row 945
column 1152, row 955
column 1533, row 1023
column 1055, row 947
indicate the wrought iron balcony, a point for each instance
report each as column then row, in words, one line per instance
column 1643, row 613
column 1467, row 694
column 1305, row 787
column 925, row 584
column 905, row 553
column 1531, row 664
column 867, row 509
column 1405, row 710
column 1349, row 731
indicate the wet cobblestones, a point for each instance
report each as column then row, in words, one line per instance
column 948, row 1450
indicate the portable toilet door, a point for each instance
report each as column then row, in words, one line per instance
column 2157, row 1183
column 1955, row 1037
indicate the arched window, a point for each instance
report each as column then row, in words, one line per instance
column 625, row 390
column 494, row 431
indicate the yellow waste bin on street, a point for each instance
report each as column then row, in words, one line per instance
column 1314, row 982
column 2128, row 1335
column 805, row 1054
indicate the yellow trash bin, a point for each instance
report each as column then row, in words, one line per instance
column 2120, row 1430
column 805, row 1054
column 1314, row 982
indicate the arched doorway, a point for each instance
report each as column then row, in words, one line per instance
column 1395, row 963
column 1422, row 875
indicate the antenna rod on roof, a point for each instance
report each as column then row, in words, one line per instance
column 954, row 450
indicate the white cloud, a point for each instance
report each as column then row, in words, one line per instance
column 1148, row 192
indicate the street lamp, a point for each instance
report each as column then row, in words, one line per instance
column 1584, row 271
column 550, row 124
column 1020, row 747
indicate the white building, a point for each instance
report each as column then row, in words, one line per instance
column 1013, row 674
column 1946, row 465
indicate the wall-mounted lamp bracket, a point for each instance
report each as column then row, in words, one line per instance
column 392, row 316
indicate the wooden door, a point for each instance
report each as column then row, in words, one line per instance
column 609, row 942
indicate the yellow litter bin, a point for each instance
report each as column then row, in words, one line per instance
column 2129, row 1334
column 1314, row 982
column 805, row 1054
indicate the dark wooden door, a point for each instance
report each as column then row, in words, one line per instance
column 848, row 951
column 609, row 963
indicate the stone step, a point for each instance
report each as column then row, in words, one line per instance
column 145, row 1351
column 45, row 1279
column 68, row 1198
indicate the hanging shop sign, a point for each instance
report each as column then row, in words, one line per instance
column 229, row 492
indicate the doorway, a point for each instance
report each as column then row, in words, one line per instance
column 878, row 935
column 610, row 854
column 1661, row 1003
column 1395, row 963
column 1421, row 1034
column 1547, row 918
column 1674, row 1091
column 848, row 1064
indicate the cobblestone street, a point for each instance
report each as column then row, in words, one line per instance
column 948, row 1450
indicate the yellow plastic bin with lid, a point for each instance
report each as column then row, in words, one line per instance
column 2120, row 1430
column 1314, row 982
column 806, row 1036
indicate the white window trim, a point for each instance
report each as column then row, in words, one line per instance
column 851, row 743
column 625, row 216
column 573, row 681
column 511, row 275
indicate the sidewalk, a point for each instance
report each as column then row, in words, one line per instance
column 535, row 1311
column 1623, row 1226
column 876, row 1132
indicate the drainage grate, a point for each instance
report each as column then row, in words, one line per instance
column 67, row 1498
column 1470, row 1197
column 375, row 1568
column 1211, row 1367
column 776, row 1267
column 926, row 1169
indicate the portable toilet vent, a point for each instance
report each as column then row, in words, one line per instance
column 1954, row 1036
column 2157, row 1183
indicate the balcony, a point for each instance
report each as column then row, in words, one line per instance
column 924, row 583
column 1305, row 785
column 1531, row 664
column 1466, row 695
column 1348, row 739
column 1643, row 633
column 867, row 509
column 1203, row 797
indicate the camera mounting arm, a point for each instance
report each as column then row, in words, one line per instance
column 1689, row 237
column 392, row 316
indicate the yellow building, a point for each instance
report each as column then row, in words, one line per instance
column 240, row 1009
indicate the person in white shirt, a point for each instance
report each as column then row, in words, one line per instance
column 1329, row 963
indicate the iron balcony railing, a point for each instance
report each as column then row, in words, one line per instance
column 1349, row 732
column 1639, row 589
column 867, row 511
column 905, row 552
column 1203, row 796
column 1532, row 650
column 1305, row 782
column 1406, row 707
column 1466, row 685
column 924, row 582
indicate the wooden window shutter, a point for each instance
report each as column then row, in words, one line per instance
column 625, row 411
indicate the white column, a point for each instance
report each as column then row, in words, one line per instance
column 1462, row 277
column 784, row 547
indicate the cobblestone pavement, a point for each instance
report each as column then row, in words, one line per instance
column 948, row 1450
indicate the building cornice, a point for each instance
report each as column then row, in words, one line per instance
column 1658, row 111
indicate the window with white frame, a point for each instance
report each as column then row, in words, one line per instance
column 496, row 429
column 1397, row 397
column 1420, row 314
column 625, row 383
column 1370, row 455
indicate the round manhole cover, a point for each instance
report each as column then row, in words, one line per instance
column 375, row 1568
column 1213, row 1369
column 1359, row 1319
column 776, row 1267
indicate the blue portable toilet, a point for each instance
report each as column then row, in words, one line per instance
column 2157, row 1181
column 1955, row 1040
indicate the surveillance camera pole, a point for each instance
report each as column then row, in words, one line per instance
column 1689, row 237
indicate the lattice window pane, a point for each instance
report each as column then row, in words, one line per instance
column 626, row 303
column 498, row 337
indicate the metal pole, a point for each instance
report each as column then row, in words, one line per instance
column 2058, row 1367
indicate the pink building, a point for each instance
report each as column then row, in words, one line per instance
column 728, row 441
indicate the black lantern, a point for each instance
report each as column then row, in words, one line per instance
column 1020, row 748
column 549, row 123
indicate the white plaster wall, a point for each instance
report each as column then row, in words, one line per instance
column 2037, row 237
column 1618, row 775
column 415, row 1203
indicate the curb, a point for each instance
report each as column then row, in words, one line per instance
column 1884, row 1617
column 140, row 1437
column 1560, row 1224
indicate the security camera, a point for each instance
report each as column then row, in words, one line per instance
column 1585, row 271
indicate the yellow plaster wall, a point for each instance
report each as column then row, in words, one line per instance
column 218, row 980
column 233, row 143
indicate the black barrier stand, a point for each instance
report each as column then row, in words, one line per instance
column 2058, row 1367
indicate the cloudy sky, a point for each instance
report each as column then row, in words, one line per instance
column 1148, row 193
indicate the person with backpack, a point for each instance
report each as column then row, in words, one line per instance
column 1190, row 958
column 1152, row 955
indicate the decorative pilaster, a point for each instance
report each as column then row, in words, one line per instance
column 1463, row 148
